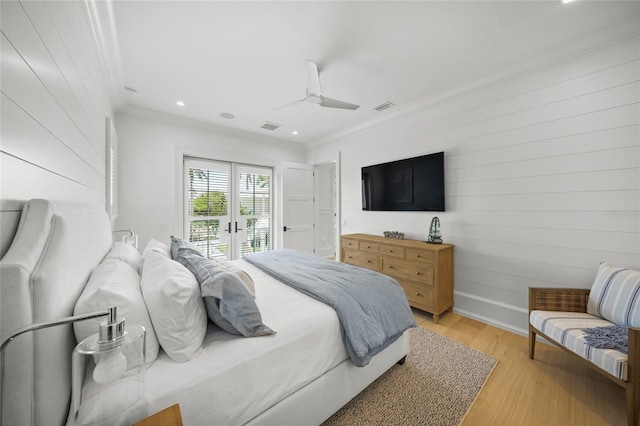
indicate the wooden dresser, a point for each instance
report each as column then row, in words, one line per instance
column 425, row 271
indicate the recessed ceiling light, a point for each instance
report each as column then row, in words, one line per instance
column 295, row 132
column 227, row 115
column 566, row 1
column 130, row 89
column 180, row 103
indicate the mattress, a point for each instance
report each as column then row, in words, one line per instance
column 234, row 378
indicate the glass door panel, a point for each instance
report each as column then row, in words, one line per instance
column 207, row 208
column 254, row 209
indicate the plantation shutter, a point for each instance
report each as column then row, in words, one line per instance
column 207, row 206
column 254, row 194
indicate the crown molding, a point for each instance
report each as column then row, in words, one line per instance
column 103, row 27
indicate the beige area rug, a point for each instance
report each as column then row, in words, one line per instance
column 437, row 385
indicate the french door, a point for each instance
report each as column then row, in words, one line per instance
column 227, row 208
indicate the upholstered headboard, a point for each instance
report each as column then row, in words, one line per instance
column 41, row 277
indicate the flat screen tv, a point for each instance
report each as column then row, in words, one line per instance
column 412, row 184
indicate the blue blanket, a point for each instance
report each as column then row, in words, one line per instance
column 372, row 307
column 609, row 337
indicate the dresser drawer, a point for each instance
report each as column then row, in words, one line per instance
column 347, row 243
column 360, row 258
column 421, row 255
column 367, row 246
column 392, row 251
column 419, row 272
column 419, row 296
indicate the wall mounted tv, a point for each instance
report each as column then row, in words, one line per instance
column 412, row 184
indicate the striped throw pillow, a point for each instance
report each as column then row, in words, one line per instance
column 615, row 295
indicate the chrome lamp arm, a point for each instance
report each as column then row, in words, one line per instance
column 110, row 312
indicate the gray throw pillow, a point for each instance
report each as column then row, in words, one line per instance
column 228, row 302
column 230, row 305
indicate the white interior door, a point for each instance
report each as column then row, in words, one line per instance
column 297, row 199
column 324, row 211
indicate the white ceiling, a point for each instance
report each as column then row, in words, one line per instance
column 248, row 58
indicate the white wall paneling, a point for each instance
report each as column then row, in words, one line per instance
column 542, row 175
column 44, row 148
column 54, row 104
column 151, row 147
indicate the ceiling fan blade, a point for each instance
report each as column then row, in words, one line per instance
column 291, row 104
column 313, row 79
column 334, row 103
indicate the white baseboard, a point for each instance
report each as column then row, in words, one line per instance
column 493, row 322
column 499, row 314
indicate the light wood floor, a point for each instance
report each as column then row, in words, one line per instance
column 551, row 390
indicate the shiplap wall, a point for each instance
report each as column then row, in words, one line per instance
column 542, row 178
column 54, row 106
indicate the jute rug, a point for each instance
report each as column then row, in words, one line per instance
column 436, row 386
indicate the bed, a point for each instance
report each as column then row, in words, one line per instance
column 300, row 375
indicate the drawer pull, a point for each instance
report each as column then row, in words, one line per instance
column 418, row 273
column 419, row 255
column 368, row 246
column 390, row 251
column 390, row 266
column 368, row 261
column 419, row 294
column 350, row 257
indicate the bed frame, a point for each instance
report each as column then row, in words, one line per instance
column 42, row 275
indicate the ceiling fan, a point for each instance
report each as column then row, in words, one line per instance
column 314, row 92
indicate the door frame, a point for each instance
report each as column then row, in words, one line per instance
column 337, row 200
column 233, row 217
column 225, row 156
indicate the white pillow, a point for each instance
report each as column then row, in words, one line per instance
column 158, row 247
column 613, row 295
column 115, row 283
column 127, row 253
column 175, row 305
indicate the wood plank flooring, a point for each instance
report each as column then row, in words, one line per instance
column 551, row 390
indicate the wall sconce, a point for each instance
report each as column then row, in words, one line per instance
column 108, row 373
column 129, row 238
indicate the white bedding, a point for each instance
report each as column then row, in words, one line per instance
column 234, row 378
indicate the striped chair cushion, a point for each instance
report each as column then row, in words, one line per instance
column 565, row 328
column 615, row 295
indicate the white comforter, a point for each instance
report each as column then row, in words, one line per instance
column 235, row 378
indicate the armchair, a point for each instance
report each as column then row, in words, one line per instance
column 559, row 315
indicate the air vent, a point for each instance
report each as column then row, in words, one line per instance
column 270, row 126
column 384, row 106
